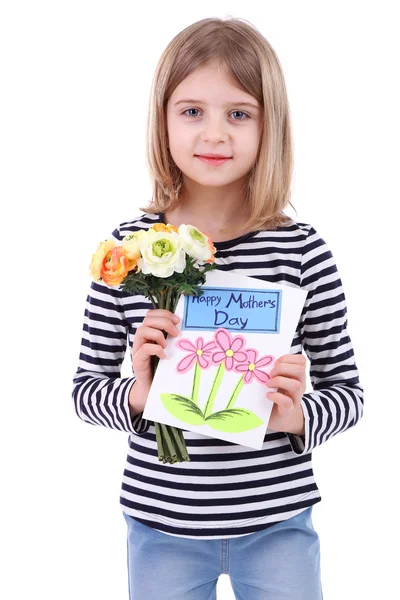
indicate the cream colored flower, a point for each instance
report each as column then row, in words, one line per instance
column 197, row 244
column 131, row 243
column 162, row 254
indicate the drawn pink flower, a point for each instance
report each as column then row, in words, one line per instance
column 229, row 349
column 251, row 367
column 198, row 351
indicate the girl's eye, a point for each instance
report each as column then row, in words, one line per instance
column 246, row 116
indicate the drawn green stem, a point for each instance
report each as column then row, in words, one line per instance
column 214, row 389
column 196, row 383
column 235, row 394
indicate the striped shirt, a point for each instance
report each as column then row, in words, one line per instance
column 226, row 490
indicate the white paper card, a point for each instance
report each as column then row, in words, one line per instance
column 213, row 380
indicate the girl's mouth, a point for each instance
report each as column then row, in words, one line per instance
column 213, row 161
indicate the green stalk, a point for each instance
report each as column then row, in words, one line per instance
column 168, row 299
column 153, row 301
column 196, row 383
column 214, row 389
column 171, row 445
column 235, row 394
column 171, row 448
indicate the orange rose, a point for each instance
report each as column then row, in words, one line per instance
column 115, row 266
column 162, row 227
column 98, row 258
column 212, row 249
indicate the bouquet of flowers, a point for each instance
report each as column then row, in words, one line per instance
column 161, row 263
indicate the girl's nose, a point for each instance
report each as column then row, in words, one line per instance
column 214, row 136
column 214, row 130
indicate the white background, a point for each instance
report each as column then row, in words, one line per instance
column 75, row 79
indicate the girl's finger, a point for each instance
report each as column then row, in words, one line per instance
column 282, row 400
column 149, row 333
column 299, row 359
column 292, row 358
column 141, row 357
column 291, row 370
column 162, row 312
column 285, row 383
column 161, row 323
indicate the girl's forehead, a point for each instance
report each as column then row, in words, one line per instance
column 207, row 74
column 209, row 85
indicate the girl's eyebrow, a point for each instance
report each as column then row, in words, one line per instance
column 189, row 100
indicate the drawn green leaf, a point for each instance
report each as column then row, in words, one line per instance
column 183, row 408
column 234, row 420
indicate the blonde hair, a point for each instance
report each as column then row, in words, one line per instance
column 254, row 67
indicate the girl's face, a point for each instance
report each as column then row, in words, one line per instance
column 205, row 115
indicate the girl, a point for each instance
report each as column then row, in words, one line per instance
column 219, row 91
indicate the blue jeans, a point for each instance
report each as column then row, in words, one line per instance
column 281, row 562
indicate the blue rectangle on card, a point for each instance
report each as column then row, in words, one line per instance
column 236, row 309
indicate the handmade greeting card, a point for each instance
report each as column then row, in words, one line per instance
column 213, row 379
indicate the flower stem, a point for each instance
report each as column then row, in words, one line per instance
column 196, row 383
column 168, row 299
column 235, row 394
column 153, row 302
column 214, row 389
column 171, row 444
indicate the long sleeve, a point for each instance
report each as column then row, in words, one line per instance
column 337, row 400
column 99, row 392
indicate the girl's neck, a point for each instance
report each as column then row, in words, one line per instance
column 210, row 224
column 210, row 217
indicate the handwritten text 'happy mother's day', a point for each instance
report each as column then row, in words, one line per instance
column 256, row 310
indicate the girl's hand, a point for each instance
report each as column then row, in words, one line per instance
column 289, row 376
column 149, row 340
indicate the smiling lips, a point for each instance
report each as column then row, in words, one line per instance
column 214, row 160
column 213, row 155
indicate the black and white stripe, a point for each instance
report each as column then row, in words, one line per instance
column 226, row 490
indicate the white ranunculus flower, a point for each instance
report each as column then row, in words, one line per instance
column 195, row 243
column 162, row 254
column 131, row 243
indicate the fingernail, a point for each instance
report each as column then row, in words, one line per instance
column 176, row 318
column 176, row 330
